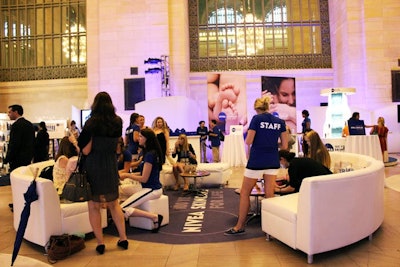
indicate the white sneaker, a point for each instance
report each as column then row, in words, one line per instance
column 128, row 212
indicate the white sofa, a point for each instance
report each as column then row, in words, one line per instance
column 329, row 211
column 48, row 216
column 219, row 174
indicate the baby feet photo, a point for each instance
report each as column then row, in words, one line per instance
column 227, row 94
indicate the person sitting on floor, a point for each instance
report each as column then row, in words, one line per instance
column 298, row 169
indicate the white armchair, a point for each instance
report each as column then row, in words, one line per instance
column 48, row 216
column 330, row 211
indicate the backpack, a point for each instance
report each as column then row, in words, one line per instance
column 47, row 172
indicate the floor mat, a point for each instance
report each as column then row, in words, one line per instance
column 197, row 220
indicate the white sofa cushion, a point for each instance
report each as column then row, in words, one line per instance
column 284, row 207
column 219, row 174
column 211, row 167
column 71, row 209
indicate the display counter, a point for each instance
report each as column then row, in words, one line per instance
column 335, row 144
column 233, row 150
column 364, row 144
column 360, row 144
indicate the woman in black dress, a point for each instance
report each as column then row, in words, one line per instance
column 161, row 130
column 98, row 141
column 41, row 148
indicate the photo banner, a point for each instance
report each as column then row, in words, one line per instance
column 282, row 91
column 227, row 101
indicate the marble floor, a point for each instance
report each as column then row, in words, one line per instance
column 383, row 250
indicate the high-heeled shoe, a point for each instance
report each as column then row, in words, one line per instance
column 157, row 224
column 176, row 187
column 186, row 187
column 123, row 244
column 100, row 249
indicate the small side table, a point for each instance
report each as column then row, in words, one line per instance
column 194, row 190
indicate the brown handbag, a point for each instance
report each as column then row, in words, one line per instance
column 61, row 246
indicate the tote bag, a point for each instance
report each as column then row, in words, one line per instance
column 77, row 188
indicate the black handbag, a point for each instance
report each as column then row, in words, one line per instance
column 192, row 161
column 221, row 136
column 61, row 246
column 77, row 188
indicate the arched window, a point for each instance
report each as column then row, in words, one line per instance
column 42, row 40
column 258, row 34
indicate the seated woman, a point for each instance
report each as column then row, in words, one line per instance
column 186, row 155
column 127, row 186
column 317, row 149
column 149, row 177
column 65, row 164
column 297, row 170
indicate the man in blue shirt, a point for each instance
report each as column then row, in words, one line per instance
column 132, row 136
column 203, row 132
column 214, row 138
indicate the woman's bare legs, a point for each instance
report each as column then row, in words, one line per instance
column 244, row 204
column 269, row 185
column 245, row 191
column 95, row 221
column 177, row 169
column 142, row 213
column 118, row 218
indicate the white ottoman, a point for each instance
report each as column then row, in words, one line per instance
column 159, row 206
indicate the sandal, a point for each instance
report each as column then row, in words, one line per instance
column 232, row 231
column 157, row 224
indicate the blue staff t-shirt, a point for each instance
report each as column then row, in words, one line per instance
column 132, row 145
column 264, row 150
column 154, row 179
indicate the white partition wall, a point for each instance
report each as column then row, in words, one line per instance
column 178, row 111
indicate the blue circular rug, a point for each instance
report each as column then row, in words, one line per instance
column 197, row 220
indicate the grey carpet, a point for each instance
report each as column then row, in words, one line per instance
column 197, row 220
